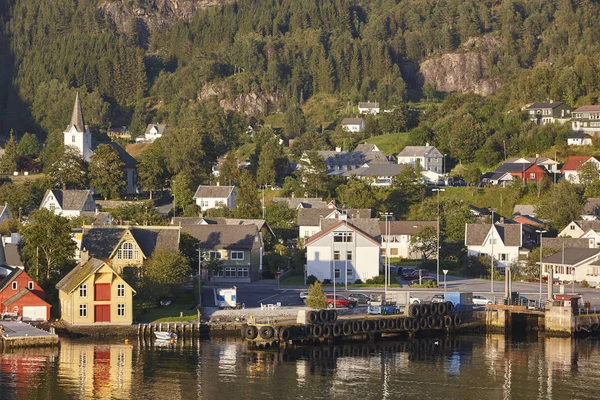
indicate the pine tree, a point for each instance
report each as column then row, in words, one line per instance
column 247, row 203
column 8, row 164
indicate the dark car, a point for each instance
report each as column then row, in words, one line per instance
column 424, row 279
column 340, row 301
column 406, row 271
column 360, row 298
column 459, row 182
column 415, row 274
column 437, row 298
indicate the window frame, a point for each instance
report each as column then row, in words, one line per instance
column 230, row 272
column 349, row 255
column 214, row 255
column 243, row 272
column 120, row 290
column 234, row 255
column 15, row 285
column 120, row 309
column 83, row 311
column 336, row 255
column 83, row 291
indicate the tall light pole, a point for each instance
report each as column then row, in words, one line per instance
column 333, row 263
column 445, row 273
column 386, row 263
column 492, row 239
column 438, row 232
column 541, row 232
column 444, row 165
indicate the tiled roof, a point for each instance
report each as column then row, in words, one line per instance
column 587, row 108
column 528, row 220
column 580, row 135
column 524, row 209
column 370, row 226
column 21, row 293
column 406, row 227
column 352, row 121
column 213, row 192
column 416, row 151
column 101, row 241
column 539, row 105
column 559, row 242
column 230, row 237
column 587, row 225
column 306, row 202
column 312, row 216
column 571, row 256
column 510, row 234
column 11, row 254
column 332, row 227
column 70, row 199
column 574, row 162
column 78, row 274
column 365, row 148
column 376, row 170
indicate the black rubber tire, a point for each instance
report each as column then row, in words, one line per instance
column 347, row 328
column 351, row 306
column 407, row 324
column 416, row 325
column 356, row 327
column 400, row 324
column 366, row 326
column 323, row 316
column 312, row 317
column 434, row 308
column 578, row 328
column 327, row 331
column 332, row 316
column 243, row 331
column 251, row 332
column 431, row 321
column 457, row 320
column 448, row 321
column 449, row 307
column 308, row 331
column 338, row 329
column 284, row 333
column 423, row 323
column 381, row 324
column 413, row 311
column 391, row 324
column 442, row 309
column 384, row 312
column 439, row 322
column 318, row 331
column 396, row 311
column 423, row 310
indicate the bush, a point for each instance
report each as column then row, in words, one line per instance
column 358, row 282
column 327, row 281
column 585, row 284
column 311, row 279
column 426, row 285
column 316, row 296
column 378, row 280
column 267, row 275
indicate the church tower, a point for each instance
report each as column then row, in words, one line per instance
column 77, row 134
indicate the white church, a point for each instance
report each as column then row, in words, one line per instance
column 79, row 136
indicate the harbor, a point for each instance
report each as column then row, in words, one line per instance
column 18, row 334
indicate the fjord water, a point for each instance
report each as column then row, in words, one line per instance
column 466, row 367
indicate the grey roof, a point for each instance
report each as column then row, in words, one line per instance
column 99, row 217
column 580, row 135
column 77, row 116
column 78, row 274
column 352, row 121
column 559, row 242
column 161, row 128
column 591, row 206
column 510, row 234
column 542, row 105
column 370, row 226
column 213, row 192
column 513, row 167
column 9, row 278
column 531, row 160
column 592, row 108
column 368, row 105
column 571, row 256
column 352, row 157
column 70, row 199
column 417, row 151
column 406, row 227
column 101, row 241
column 11, row 254
column 312, row 216
column 365, row 148
column 306, row 202
column 127, row 158
column 376, row 170
column 587, row 225
column 21, row 293
column 230, row 237
column 259, row 223
column 523, row 209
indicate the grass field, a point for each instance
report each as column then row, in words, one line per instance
column 390, row 144
column 19, row 179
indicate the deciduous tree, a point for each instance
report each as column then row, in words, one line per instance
column 107, row 172
column 69, row 171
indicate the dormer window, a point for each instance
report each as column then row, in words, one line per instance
column 127, row 252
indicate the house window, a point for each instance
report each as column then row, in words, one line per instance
column 127, row 252
column 503, row 257
column 243, row 272
column 15, row 286
column 218, row 273
column 394, row 251
column 30, row 285
column 51, row 206
column 532, row 175
column 237, row 255
column 342, row 237
column 337, row 273
column 336, row 255
column 120, row 310
column 120, row 290
column 230, row 272
column 83, row 291
column 572, row 227
column 214, row 255
column 349, row 255
column 349, row 272
column 73, row 139
column 83, row 310
column 204, row 203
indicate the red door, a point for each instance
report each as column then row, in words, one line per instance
column 102, row 313
column 102, row 292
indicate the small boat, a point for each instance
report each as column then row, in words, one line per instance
column 165, row 335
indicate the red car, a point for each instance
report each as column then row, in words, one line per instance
column 415, row 275
column 340, row 301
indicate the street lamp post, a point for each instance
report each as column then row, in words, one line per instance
column 492, row 257
column 333, row 263
column 438, row 233
column 386, row 263
column 445, row 273
column 541, row 232
column 199, row 277
column 444, row 165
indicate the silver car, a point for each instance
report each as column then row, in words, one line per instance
column 302, row 296
column 482, row 300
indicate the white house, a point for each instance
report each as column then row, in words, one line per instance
column 574, row 263
column 570, row 168
column 215, row 196
column 155, row 131
column 353, row 124
column 368, row 108
column 501, row 240
column 69, row 203
column 377, row 174
column 579, row 138
column 310, row 219
column 428, row 157
column 345, row 249
column 396, row 237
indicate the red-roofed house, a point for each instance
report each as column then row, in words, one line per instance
column 21, row 295
column 342, row 247
column 569, row 170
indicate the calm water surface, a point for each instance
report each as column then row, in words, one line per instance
column 467, row 367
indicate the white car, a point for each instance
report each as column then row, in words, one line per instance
column 482, row 300
column 414, row 300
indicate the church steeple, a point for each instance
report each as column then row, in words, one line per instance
column 77, row 116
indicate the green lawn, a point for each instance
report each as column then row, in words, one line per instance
column 293, row 280
column 297, row 280
column 172, row 313
column 390, row 144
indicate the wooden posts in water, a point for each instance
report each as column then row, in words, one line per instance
column 184, row 330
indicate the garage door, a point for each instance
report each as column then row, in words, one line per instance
column 102, row 313
column 34, row 313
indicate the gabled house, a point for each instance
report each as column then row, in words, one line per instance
column 309, row 219
column 353, row 124
column 301, row 202
column 579, row 138
column 21, row 295
column 528, row 172
column 93, row 293
column 368, row 108
column 570, row 168
column 338, row 161
column 503, row 241
column 574, row 263
column 155, row 131
column 262, row 225
column 342, row 252
column 586, row 119
column 239, row 247
column 591, row 209
column 546, row 163
column 428, row 157
column 502, row 179
column 127, row 246
column 4, row 214
column 376, row 174
column 208, row 197
column 69, row 203
column 543, row 113
column 396, row 237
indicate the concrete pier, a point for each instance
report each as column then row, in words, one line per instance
column 19, row 334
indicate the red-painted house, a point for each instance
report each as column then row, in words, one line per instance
column 533, row 173
column 22, row 295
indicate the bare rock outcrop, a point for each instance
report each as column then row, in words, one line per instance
column 249, row 103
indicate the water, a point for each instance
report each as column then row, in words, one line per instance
column 467, row 367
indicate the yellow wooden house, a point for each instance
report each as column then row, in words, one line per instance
column 93, row 293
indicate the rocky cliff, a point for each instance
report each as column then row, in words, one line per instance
column 249, row 103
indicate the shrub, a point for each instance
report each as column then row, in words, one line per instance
column 327, row 281
column 311, row 279
column 585, row 284
column 358, row 282
column 316, row 296
column 378, row 280
column 426, row 284
column 267, row 275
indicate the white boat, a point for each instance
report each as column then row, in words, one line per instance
column 165, row 335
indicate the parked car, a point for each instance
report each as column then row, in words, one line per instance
column 415, row 274
column 340, row 301
column 482, row 300
column 393, row 269
column 555, row 281
column 302, row 296
column 415, row 300
column 360, row 298
column 459, row 182
column 437, row 298
column 406, row 271
column 423, row 280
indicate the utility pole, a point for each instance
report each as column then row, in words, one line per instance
column 438, row 234
column 541, row 232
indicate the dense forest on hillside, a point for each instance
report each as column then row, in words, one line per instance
column 350, row 50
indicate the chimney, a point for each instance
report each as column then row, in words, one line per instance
column 537, row 156
column 83, row 256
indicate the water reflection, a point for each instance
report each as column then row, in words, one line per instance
column 490, row 367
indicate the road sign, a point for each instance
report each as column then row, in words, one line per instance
column 445, row 271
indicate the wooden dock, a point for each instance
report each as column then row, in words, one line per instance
column 19, row 334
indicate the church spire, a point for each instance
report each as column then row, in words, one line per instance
column 77, row 117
